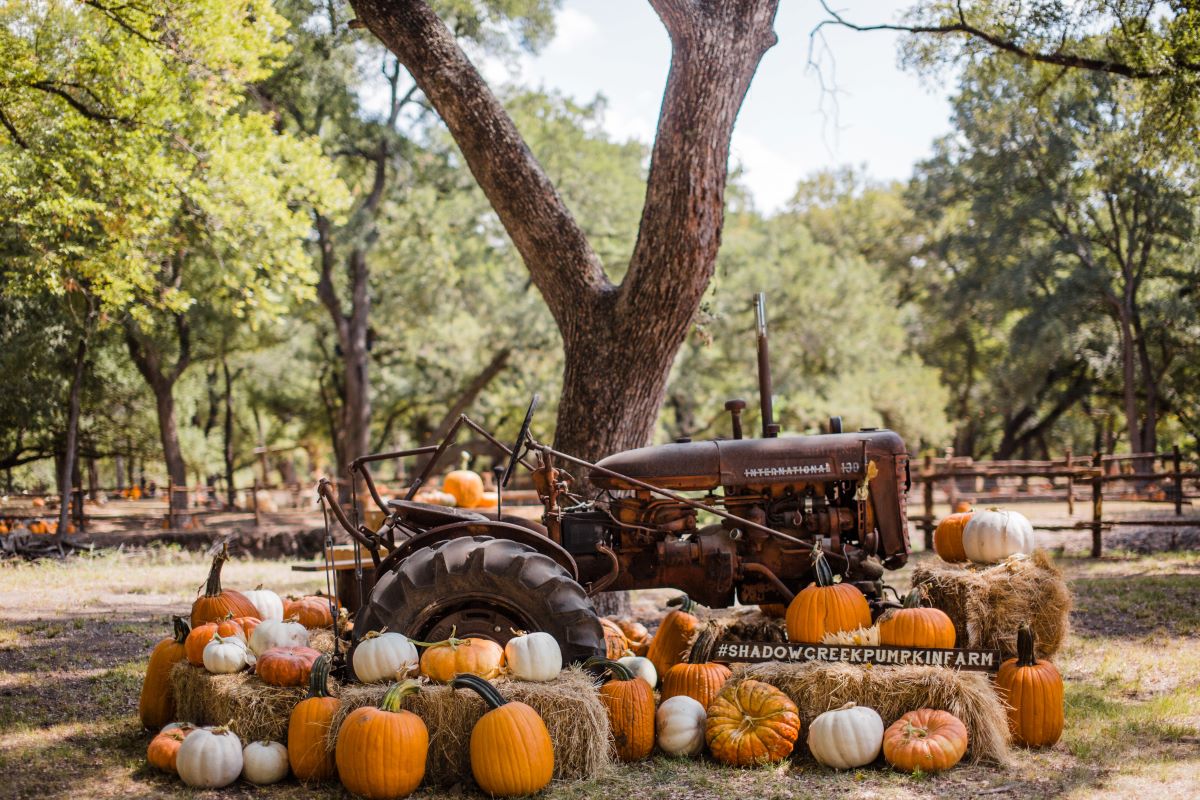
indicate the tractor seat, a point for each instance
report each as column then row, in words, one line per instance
column 430, row 515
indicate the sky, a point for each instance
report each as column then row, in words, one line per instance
column 886, row 118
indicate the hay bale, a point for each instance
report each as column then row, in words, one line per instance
column 893, row 691
column 253, row 709
column 987, row 604
column 570, row 705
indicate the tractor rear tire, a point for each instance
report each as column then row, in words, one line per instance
column 486, row 587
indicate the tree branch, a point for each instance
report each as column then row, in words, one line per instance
column 12, row 130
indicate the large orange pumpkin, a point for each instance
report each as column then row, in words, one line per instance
column 381, row 752
column 751, row 723
column 466, row 487
column 217, row 603
column 913, row 626
column 673, row 636
column 201, row 635
column 701, row 682
column 1033, row 691
column 947, row 537
column 511, row 751
column 474, row 656
column 308, row 728
column 635, row 632
column 925, row 739
column 826, row 607
column 164, row 747
column 312, row 611
column 286, row 666
column 156, row 707
column 615, row 643
column 248, row 625
column 630, row 705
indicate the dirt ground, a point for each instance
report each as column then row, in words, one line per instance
column 74, row 637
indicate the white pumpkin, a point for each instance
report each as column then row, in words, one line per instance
column 847, row 737
column 384, row 657
column 993, row 535
column 210, row 758
column 641, row 667
column 269, row 604
column 224, row 654
column 679, row 724
column 275, row 633
column 264, row 763
column 533, row 657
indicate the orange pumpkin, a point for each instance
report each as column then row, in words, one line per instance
column 630, row 705
column 474, row 656
column 948, row 537
column 156, row 706
column 511, row 752
column 751, row 723
column 312, row 611
column 913, row 626
column 164, row 747
column 217, row 603
column 674, row 635
column 286, row 666
column 925, row 739
column 465, row 486
column 635, row 632
column 701, row 682
column 201, row 635
column 615, row 643
column 381, row 752
column 826, row 607
column 1033, row 692
column 962, row 505
column 248, row 625
column 309, row 725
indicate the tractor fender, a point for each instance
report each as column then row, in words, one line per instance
column 494, row 528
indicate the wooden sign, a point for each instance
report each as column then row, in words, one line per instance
column 731, row 652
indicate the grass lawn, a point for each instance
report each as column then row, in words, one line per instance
column 74, row 638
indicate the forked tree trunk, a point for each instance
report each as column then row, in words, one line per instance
column 619, row 341
column 148, row 359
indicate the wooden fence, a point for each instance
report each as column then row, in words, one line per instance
column 1144, row 477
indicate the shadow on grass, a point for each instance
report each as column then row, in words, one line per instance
column 1137, row 604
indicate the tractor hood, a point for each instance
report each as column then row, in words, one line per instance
column 703, row 466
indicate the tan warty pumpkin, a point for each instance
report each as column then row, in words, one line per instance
column 914, row 626
column 309, row 725
column 1033, row 692
column 630, row 705
column 511, row 751
column 673, row 636
column 826, row 607
column 381, row 752
column 156, row 707
column 615, row 643
column 751, row 723
column 217, row 603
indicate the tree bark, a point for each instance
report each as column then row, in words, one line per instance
column 74, row 402
column 148, row 360
column 619, row 341
column 227, row 438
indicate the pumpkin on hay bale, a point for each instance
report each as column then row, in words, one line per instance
column 893, row 691
column 987, row 605
column 570, row 707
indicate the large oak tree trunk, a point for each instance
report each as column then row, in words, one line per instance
column 619, row 341
column 71, row 453
column 168, row 432
column 149, row 361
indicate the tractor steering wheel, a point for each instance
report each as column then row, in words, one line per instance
column 521, row 437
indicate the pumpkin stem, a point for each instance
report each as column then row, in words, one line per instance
column 615, row 670
column 396, row 693
column 318, row 679
column 705, row 644
column 685, row 603
column 182, row 629
column 913, row 599
column 212, row 587
column 1025, row 643
column 821, row 566
column 481, row 687
column 452, row 642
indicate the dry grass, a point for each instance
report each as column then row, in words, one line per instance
column 570, row 706
column 893, row 691
column 987, row 605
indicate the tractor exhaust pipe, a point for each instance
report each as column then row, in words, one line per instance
column 769, row 429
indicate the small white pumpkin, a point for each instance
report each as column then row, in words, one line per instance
column 210, row 758
column 993, row 535
column 276, row 633
column 533, row 657
column 264, row 763
column 269, row 604
column 679, row 723
column 224, row 654
column 384, row 657
column 641, row 667
column 847, row 737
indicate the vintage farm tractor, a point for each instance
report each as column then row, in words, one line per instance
column 735, row 519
